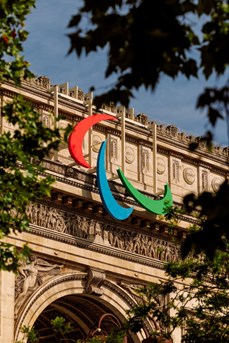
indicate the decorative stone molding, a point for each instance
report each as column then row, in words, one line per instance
column 204, row 180
column 189, row 176
column 172, row 130
column 132, row 289
column 94, row 281
column 216, row 182
column 113, row 149
column 171, row 133
column 45, row 118
column 175, row 170
column 142, row 118
column 129, row 155
column 161, row 167
column 96, row 141
column 41, row 81
column 145, row 161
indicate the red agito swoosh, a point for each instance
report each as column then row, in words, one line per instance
column 75, row 140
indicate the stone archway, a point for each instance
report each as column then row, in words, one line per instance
column 65, row 296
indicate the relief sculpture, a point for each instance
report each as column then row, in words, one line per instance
column 31, row 275
column 99, row 232
column 142, row 244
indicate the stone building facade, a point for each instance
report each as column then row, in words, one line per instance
column 85, row 265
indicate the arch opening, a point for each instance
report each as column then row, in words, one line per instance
column 83, row 312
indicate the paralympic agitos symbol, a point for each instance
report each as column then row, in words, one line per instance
column 112, row 206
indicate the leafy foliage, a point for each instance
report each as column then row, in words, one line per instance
column 60, row 330
column 146, row 39
column 212, row 211
column 30, row 335
column 195, row 296
column 12, row 35
column 60, row 326
column 21, row 150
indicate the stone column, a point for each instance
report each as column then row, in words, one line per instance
column 7, row 282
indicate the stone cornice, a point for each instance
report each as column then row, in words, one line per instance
column 218, row 154
column 195, row 161
column 165, row 134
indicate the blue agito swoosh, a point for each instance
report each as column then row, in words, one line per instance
column 112, row 206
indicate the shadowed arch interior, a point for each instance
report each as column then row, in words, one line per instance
column 82, row 311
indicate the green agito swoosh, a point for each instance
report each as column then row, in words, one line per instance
column 156, row 206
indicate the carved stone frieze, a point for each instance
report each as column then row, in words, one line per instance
column 142, row 244
column 100, row 232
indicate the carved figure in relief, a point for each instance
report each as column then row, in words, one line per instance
column 69, row 220
column 164, row 251
column 60, row 224
column 30, row 275
column 110, row 234
column 116, row 239
column 29, row 210
column 34, row 214
column 105, row 234
column 174, row 253
column 42, row 216
column 76, row 231
column 98, row 230
column 129, row 243
column 152, row 248
column 91, row 227
column 160, row 249
column 144, row 245
column 51, row 219
column 137, row 245
column 121, row 242
column 83, row 224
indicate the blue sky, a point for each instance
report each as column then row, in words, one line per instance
column 173, row 102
